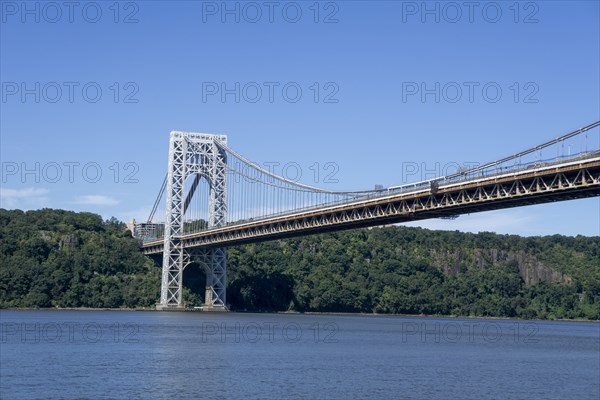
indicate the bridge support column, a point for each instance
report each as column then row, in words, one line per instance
column 172, row 278
column 214, row 263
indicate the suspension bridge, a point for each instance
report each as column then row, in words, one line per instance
column 212, row 198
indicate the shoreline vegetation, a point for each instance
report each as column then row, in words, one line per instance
column 63, row 260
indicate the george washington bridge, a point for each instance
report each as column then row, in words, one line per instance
column 212, row 198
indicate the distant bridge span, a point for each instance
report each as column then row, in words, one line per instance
column 273, row 207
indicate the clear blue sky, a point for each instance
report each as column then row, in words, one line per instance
column 368, row 56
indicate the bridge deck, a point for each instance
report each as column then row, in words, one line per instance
column 561, row 181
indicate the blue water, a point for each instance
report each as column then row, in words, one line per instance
column 159, row 355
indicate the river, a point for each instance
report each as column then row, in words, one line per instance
column 193, row 355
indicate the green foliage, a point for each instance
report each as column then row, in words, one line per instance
column 416, row 271
column 56, row 258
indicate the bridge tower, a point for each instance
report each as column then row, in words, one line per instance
column 197, row 155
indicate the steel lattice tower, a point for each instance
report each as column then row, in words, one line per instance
column 198, row 155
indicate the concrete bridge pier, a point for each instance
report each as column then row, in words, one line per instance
column 170, row 307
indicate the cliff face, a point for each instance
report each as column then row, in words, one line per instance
column 533, row 271
column 530, row 268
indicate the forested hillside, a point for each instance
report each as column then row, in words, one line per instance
column 416, row 271
column 54, row 258
column 61, row 258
